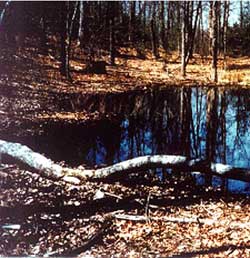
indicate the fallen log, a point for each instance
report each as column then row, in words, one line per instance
column 218, row 169
column 143, row 162
column 45, row 166
column 31, row 158
column 50, row 169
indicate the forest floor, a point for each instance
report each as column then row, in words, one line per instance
column 32, row 82
column 27, row 67
column 59, row 219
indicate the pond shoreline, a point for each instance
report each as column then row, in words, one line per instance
column 104, row 129
column 32, row 81
column 66, row 106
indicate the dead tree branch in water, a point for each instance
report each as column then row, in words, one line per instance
column 50, row 169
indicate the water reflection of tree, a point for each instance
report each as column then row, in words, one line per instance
column 185, row 121
column 216, row 126
column 222, row 132
column 111, row 138
column 211, row 123
column 197, row 123
column 152, row 122
column 241, row 106
column 192, row 122
column 172, row 121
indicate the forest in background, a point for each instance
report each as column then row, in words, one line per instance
column 97, row 29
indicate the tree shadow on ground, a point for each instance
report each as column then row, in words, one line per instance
column 238, row 66
column 212, row 250
column 50, row 209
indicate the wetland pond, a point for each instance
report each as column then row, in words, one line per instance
column 206, row 123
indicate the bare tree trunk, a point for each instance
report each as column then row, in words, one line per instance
column 66, row 37
column 153, row 32
column 179, row 22
column 189, row 22
column 64, row 67
column 210, row 26
column 131, row 21
column 153, row 39
column 144, row 23
column 111, row 33
column 70, row 29
column 241, row 14
column 192, row 34
column 214, row 74
column 162, row 25
column 200, row 38
column 168, row 32
column 183, row 39
column 225, row 26
column 219, row 28
column 81, row 27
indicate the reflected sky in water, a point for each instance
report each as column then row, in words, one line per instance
column 158, row 127
column 198, row 123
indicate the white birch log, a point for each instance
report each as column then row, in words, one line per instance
column 3, row 12
column 50, row 169
column 32, row 159
column 219, row 169
column 139, row 163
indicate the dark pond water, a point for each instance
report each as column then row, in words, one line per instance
column 205, row 123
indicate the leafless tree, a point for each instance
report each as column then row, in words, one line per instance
column 214, row 32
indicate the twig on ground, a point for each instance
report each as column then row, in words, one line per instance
column 93, row 240
column 147, row 207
